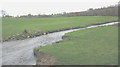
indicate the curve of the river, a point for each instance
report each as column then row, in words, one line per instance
column 21, row 52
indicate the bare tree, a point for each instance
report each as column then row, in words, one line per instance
column 3, row 13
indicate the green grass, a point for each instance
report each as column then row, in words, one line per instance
column 97, row 46
column 17, row 25
column 0, row 28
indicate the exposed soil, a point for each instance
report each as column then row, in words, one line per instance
column 43, row 58
column 64, row 37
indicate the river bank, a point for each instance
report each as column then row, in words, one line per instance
column 20, row 52
column 27, row 35
column 73, row 43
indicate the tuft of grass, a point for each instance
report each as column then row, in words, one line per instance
column 25, row 31
column 96, row 46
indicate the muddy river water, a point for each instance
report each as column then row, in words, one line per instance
column 21, row 52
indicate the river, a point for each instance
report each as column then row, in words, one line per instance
column 21, row 52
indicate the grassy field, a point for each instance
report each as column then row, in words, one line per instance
column 97, row 46
column 0, row 28
column 17, row 25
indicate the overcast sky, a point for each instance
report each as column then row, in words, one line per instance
column 21, row 7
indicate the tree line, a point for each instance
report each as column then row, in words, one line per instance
column 105, row 11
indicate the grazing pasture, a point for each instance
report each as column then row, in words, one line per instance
column 13, row 26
